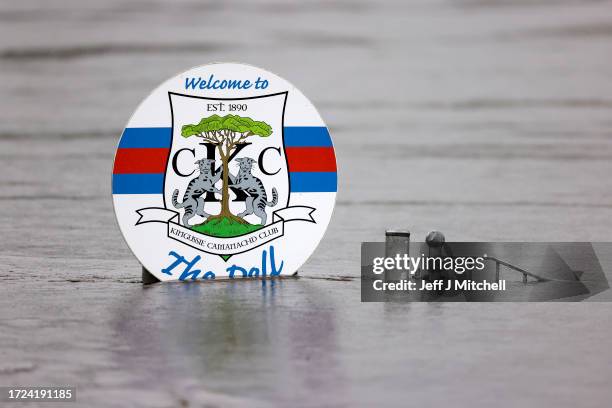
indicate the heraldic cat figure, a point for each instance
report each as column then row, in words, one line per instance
column 193, row 199
column 257, row 201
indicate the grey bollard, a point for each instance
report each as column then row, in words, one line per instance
column 435, row 243
column 435, row 239
column 397, row 242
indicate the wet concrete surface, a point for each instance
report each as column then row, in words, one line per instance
column 298, row 342
column 485, row 120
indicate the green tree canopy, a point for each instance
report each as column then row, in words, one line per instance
column 217, row 128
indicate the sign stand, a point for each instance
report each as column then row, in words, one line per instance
column 148, row 278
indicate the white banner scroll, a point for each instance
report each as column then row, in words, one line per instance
column 231, row 245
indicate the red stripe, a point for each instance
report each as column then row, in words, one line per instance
column 140, row 160
column 311, row 159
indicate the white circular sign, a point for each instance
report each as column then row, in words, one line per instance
column 224, row 171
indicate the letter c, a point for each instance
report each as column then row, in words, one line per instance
column 175, row 159
column 261, row 157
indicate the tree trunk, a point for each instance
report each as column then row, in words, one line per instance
column 225, row 211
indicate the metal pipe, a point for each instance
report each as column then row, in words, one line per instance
column 397, row 242
column 516, row 268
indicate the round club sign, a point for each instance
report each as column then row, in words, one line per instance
column 224, row 171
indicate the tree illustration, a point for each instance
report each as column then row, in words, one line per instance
column 226, row 133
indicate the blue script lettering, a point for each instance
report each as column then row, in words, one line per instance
column 235, row 268
column 261, row 83
column 256, row 272
column 212, row 83
column 187, row 272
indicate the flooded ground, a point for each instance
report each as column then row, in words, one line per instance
column 485, row 120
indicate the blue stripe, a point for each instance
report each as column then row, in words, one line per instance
column 301, row 182
column 295, row 136
column 138, row 183
column 146, row 137
column 311, row 182
column 298, row 136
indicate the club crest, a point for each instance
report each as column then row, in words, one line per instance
column 235, row 177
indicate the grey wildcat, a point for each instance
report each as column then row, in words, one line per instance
column 193, row 199
column 258, row 200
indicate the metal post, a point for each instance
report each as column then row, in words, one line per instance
column 435, row 242
column 397, row 242
column 496, row 271
column 524, row 278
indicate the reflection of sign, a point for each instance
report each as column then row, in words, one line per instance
column 236, row 163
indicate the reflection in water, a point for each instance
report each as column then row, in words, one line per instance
column 267, row 336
